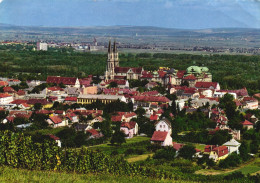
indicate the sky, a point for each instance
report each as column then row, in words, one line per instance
column 184, row 14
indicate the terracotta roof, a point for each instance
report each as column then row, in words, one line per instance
column 4, row 95
column 72, row 99
column 221, row 150
column 3, row 83
column 53, row 137
column 34, row 101
column 55, row 88
column 190, row 77
column 151, row 98
column 44, row 112
column 154, row 117
column 116, row 118
column 93, row 131
column 206, row 84
column 177, row 146
column 21, row 92
column 129, row 125
column 64, row 80
column 180, row 74
column 129, row 114
column 56, row 119
column 9, row 89
column 136, row 70
column 18, row 101
column 247, row 123
column 159, row 136
column 209, row 148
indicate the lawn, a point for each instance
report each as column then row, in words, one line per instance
column 108, row 148
column 11, row 175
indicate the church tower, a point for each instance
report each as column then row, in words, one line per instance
column 116, row 60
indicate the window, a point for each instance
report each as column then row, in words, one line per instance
column 160, row 126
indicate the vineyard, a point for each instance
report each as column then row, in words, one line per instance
column 19, row 151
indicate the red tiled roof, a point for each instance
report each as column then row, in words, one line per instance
column 4, row 95
column 34, row 101
column 151, row 98
column 64, row 80
column 159, row 136
column 21, row 92
column 116, row 118
column 18, row 101
column 247, row 123
column 72, row 99
column 56, row 119
column 9, row 89
column 129, row 114
column 190, row 77
column 44, row 112
column 206, row 84
column 221, row 150
column 177, row 146
column 180, row 74
column 136, row 70
column 55, row 88
column 93, row 132
column 209, row 148
column 153, row 117
column 3, row 83
column 53, row 137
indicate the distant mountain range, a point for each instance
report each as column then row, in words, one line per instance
column 130, row 30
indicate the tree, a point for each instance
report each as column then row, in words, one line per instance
column 113, row 85
column 106, row 128
column 37, row 106
column 118, row 137
column 220, row 137
column 187, row 151
column 167, row 153
column 244, row 150
column 140, row 111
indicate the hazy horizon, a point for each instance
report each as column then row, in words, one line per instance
column 177, row 14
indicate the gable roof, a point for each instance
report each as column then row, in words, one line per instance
column 64, row 80
column 56, row 119
column 206, row 84
column 190, row 77
column 159, row 136
column 247, row 123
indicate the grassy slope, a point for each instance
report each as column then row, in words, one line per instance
column 10, row 175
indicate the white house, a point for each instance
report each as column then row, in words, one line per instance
column 5, row 98
column 163, row 125
column 57, row 121
column 129, row 128
column 161, row 138
column 233, row 146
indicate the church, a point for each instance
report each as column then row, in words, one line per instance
column 114, row 72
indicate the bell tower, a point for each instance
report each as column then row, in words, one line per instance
column 116, row 60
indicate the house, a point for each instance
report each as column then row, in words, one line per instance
column 94, row 134
column 5, row 98
column 72, row 117
column 207, row 85
column 68, row 81
column 24, row 106
column 43, row 102
column 129, row 128
column 57, row 139
column 154, row 117
column 162, row 138
column 57, row 121
column 151, row 85
column 163, row 125
column 250, row 103
column 219, row 153
column 177, row 147
column 247, row 124
column 70, row 100
column 89, row 99
column 53, row 90
column 233, row 146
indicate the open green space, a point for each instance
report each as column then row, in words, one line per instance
column 108, row 148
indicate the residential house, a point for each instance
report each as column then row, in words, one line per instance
column 233, row 146
column 68, row 81
column 88, row 99
column 247, row 124
column 219, row 153
column 129, row 128
column 5, row 98
column 57, row 139
column 94, row 134
column 57, row 121
column 162, row 138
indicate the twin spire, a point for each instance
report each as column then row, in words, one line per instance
column 110, row 47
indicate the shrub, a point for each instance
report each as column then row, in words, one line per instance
column 167, row 153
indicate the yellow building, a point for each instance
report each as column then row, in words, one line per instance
column 89, row 99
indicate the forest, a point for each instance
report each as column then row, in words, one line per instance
column 231, row 71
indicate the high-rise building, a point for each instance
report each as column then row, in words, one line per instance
column 42, row 46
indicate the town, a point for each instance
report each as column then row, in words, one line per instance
column 151, row 110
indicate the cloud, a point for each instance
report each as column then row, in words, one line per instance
column 1, row 1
